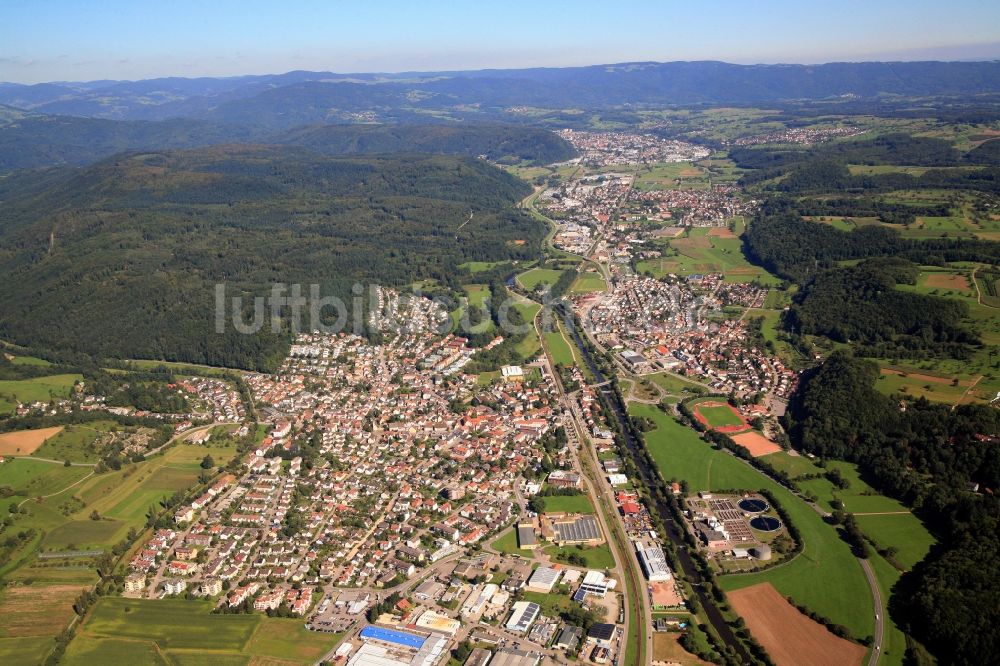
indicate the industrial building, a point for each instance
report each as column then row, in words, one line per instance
column 582, row 529
column 523, row 614
column 390, row 647
column 654, row 563
column 543, row 579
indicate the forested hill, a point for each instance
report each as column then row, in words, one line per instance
column 121, row 258
column 506, row 144
column 928, row 456
column 797, row 249
column 29, row 140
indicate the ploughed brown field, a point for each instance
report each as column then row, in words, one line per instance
column 25, row 442
column 948, row 281
column 790, row 638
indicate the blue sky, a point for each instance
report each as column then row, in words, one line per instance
column 72, row 40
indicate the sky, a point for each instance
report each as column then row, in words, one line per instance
column 76, row 40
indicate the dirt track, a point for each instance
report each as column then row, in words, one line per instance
column 756, row 443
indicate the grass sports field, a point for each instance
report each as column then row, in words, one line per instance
column 568, row 503
column 824, row 577
column 718, row 415
column 142, row 628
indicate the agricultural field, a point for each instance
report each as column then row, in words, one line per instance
column 789, row 636
column 63, row 520
column 270, row 641
column 73, row 443
column 825, row 577
column 672, row 176
column 770, row 325
column 538, row 276
column 84, row 534
column 479, row 266
column 530, row 345
column 884, row 520
column 588, row 282
column 34, row 478
column 38, row 389
column 950, row 390
column 559, row 348
column 902, row 531
column 170, row 623
column 28, row 360
column 667, row 649
column 477, row 296
column 793, row 465
column 980, row 372
column 707, row 250
column 32, row 616
column 26, row 442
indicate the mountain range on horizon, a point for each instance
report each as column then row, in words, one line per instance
column 302, row 97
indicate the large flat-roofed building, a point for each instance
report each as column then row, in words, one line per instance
column 582, row 529
column 596, row 583
column 390, row 647
column 526, row 536
column 511, row 657
column 441, row 624
column 543, row 579
column 654, row 563
column 479, row 657
column 522, row 615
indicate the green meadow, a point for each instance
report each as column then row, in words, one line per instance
column 37, row 389
column 825, row 577
column 538, row 276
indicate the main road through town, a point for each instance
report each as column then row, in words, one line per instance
column 674, row 533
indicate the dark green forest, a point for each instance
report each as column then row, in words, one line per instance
column 30, row 141
column 861, row 304
column 931, row 457
column 796, row 249
column 505, row 144
column 120, row 259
